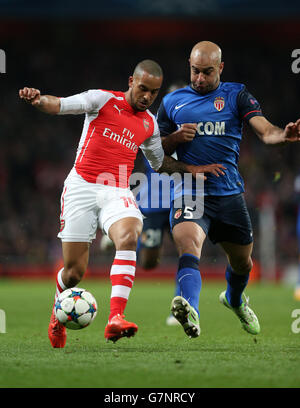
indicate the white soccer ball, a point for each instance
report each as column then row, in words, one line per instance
column 75, row 308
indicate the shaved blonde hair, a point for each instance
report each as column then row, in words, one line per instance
column 207, row 49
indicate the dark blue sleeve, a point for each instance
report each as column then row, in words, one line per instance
column 247, row 105
column 166, row 125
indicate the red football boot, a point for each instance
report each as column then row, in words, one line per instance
column 117, row 327
column 56, row 332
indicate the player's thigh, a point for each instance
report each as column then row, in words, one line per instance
column 117, row 205
column 239, row 256
column 79, row 212
column 189, row 238
column 189, row 229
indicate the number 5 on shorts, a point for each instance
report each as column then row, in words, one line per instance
column 188, row 213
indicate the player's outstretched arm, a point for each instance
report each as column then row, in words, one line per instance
column 162, row 163
column 45, row 103
column 171, row 166
column 271, row 134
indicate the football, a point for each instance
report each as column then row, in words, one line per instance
column 75, row 308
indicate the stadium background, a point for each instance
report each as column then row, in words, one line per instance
column 63, row 48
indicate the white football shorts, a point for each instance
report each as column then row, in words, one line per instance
column 85, row 207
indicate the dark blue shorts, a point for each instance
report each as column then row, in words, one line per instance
column 154, row 226
column 224, row 219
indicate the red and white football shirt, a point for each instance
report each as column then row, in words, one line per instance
column 112, row 133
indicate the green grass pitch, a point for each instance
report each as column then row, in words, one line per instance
column 158, row 356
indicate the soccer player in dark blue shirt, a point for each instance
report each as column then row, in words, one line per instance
column 203, row 124
column 154, row 204
column 155, row 207
column 156, row 220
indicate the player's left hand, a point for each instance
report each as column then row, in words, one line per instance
column 215, row 169
column 292, row 131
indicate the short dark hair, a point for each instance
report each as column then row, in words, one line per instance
column 149, row 66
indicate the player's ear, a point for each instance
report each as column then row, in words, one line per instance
column 130, row 81
column 221, row 67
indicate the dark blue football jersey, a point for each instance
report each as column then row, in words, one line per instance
column 154, row 195
column 219, row 116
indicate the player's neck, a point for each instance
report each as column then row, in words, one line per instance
column 128, row 99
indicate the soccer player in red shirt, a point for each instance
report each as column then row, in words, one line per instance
column 96, row 191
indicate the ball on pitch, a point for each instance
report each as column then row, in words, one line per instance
column 75, row 308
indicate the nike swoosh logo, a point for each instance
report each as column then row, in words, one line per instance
column 180, row 106
column 187, row 274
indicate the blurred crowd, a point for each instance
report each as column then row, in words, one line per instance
column 37, row 151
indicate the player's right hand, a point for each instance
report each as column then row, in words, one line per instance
column 30, row 95
column 186, row 132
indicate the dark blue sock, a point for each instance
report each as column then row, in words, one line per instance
column 235, row 286
column 177, row 289
column 189, row 279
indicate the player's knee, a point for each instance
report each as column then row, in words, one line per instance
column 189, row 238
column 127, row 240
column 73, row 274
column 188, row 244
column 242, row 266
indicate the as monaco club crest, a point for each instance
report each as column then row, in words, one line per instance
column 178, row 213
column 219, row 103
